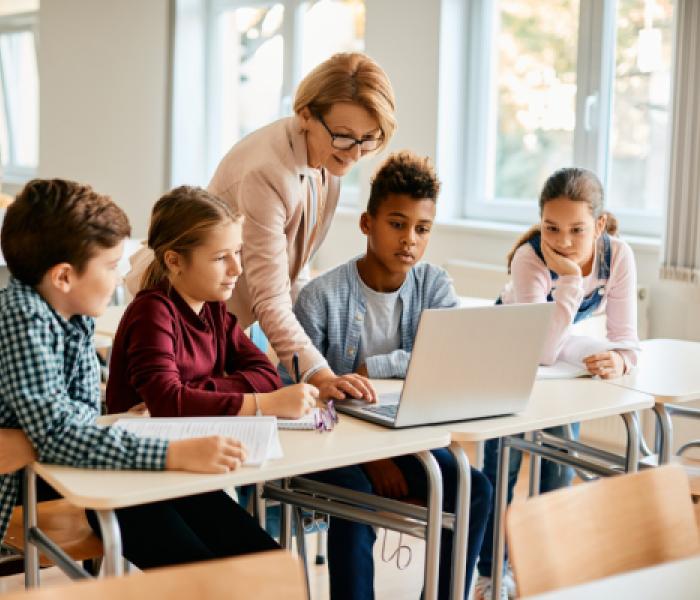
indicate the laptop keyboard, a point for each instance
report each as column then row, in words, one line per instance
column 386, row 410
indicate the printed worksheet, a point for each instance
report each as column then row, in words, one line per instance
column 258, row 434
column 576, row 348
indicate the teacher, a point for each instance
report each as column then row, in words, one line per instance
column 285, row 179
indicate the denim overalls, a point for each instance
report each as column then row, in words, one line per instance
column 552, row 475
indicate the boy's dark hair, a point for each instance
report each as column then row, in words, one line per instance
column 403, row 173
column 54, row 221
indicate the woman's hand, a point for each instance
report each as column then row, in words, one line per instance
column 558, row 263
column 606, row 365
column 339, row 387
column 290, row 402
column 213, row 454
column 387, row 479
column 16, row 451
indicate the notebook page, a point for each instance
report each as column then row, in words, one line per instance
column 258, row 434
column 308, row 421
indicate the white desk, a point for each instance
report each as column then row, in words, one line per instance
column 668, row 370
column 679, row 580
column 351, row 442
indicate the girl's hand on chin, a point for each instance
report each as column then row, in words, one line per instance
column 561, row 265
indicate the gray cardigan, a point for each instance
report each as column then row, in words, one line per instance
column 331, row 309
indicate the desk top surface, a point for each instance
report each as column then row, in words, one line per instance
column 352, row 441
column 553, row 402
column 669, row 370
column 679, row 580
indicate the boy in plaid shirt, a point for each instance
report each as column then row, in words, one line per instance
column 62, row 243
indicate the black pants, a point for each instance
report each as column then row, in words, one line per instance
column 185, row 530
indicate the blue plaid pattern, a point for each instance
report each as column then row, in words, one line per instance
column 331, row 308
column 49, row 388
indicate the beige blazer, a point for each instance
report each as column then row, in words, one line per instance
column 263, row 177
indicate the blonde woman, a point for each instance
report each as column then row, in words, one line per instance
column 285, row 179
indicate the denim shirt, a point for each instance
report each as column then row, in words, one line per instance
column 332, row 307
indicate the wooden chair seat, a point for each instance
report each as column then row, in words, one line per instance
column 65, row 524
column 690, row 465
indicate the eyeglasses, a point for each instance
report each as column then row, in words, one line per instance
column 325, row 418
column 346, row 142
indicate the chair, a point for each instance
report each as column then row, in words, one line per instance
column 267, row 576
column 65, row 524
column 599, row 529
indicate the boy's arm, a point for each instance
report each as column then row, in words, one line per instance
column 440, row 294
column 16, row 451
column 61, row 428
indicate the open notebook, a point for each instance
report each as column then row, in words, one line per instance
column 576, row 348
column 258, row 434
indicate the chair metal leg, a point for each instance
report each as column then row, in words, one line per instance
column 535, row 466
column 321, row 546
column 31, row 552
column 285, row 520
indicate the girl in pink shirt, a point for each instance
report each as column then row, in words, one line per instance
column 570, row 258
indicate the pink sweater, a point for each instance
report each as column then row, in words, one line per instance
column 262, row 176
column 531, row 282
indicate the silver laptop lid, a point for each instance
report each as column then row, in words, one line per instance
column 473, row 362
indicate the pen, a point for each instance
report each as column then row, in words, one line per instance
column 295, row 362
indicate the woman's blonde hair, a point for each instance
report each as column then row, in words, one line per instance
column 349, row 77
column 579, row 185
column 180, row 221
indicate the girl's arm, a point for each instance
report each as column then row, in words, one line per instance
column 153, row 369
column 531, row 283
column 621, row 307
column 247, row 368
column 16, row 451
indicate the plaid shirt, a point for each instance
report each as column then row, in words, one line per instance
column 49, row 388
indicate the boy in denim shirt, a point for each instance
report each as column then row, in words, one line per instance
column 363, row 317
column 62, row 243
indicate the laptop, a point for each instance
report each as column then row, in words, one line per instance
column 467, row 363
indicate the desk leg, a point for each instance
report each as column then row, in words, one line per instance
column 633, row 437
column 499, row 512
column 111, row 542
column 664, row 431
column 285, row 521
column 31, row 552
column 461, row 523
column 434, row 526
column 535, row 466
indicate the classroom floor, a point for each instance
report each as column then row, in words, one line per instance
column 390, row 581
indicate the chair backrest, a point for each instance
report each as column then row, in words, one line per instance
column 598, row 529
column 265, row 576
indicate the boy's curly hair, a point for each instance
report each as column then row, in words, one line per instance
column 403, row 173
column 54, row 221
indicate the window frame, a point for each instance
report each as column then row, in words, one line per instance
column 595, row 69
column 17, row 23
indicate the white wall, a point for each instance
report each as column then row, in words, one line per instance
column 103, row 68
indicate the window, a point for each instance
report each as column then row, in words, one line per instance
column 564, row 82
column 258, row 53
column 19, row 98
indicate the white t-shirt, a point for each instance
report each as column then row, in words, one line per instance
column 381, row 332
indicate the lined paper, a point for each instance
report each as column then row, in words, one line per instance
column 258, row 434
